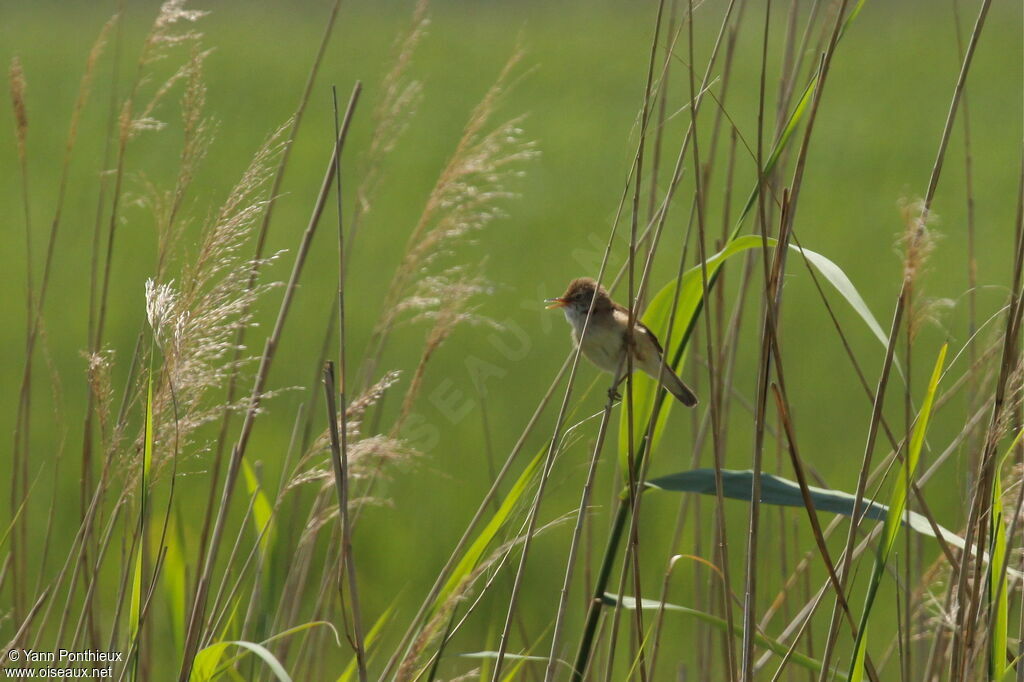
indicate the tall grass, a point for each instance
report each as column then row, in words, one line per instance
column 268, row 580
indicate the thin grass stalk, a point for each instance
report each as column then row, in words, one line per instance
column 716, row 429
column 339, row 462
column 640, row 464
column 489, row 496
column 581, row 513
column 266, row 360
column 20, row 454
column 876, row 411
column 604, row 573
column 930, row 193
column 25, row 624
column 119, row 123
column 659, row 129
column 980, row 515
column 1020, row 456
column 89, row 510
column 952, row 448
column 223, row 596
column 634, row 300
column 802, row 619
column 261, row 237
column 768, row 334
column 546, row 472
column 226, row 597
column 558, row 425
column 915, row 488
column 972, row 265
column 339, row 451
column 903, row 625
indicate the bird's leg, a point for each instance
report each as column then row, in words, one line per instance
column 620, row 375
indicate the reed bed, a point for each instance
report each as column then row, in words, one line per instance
column 615, row 537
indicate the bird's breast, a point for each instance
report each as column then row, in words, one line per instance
column 602, row 343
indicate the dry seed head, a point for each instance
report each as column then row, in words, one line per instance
column 85, row 86
column 16, row 78
column 357, row 407
column 1011, row 402
column 161, row 310
column 162, row 36
column 918, row 237
column 196, row 322
column 98, row 372
column 466, row 196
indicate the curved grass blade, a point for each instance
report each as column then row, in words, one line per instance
column 275, row 665
column 173, row 577
column 513, row 673
column 490, row 655
column 997, row 584
column 135, row 605
column 896, row 506
column 211, row 655
column 262, row 510
column 772, row 645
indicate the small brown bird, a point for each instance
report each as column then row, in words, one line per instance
column 605, row 341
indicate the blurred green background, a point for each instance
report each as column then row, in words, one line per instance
column 874, row 144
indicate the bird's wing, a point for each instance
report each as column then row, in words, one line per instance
column 640, row 330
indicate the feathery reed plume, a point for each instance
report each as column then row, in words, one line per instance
column 918, row 241
column 163, row 35
column 16, row 78
column 98, row 376
column 366, row 453
column 20, row 454
column 393, row 111
column 197, row 134
column 464, row 200
column 195, row 323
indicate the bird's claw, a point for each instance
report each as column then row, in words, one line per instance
column 614, row 395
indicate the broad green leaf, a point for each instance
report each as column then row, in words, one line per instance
column 997, row 585
column 779, row 491
column 776, row 647
column 135, row 607
column 858, row 661
column 216, row 651
column 206, row 662
column 262, row 510
column 173, row 577
column 898, row 502
column 135, row 603
column 691, row 292
column 261, row 650
column 658, row 320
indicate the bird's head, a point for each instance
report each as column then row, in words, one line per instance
column 578, row 296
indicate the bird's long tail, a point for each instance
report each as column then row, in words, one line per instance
column 674, row 385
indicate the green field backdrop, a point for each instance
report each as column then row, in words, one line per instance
column 579, row 88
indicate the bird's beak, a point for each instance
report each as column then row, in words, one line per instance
column 555, row 303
